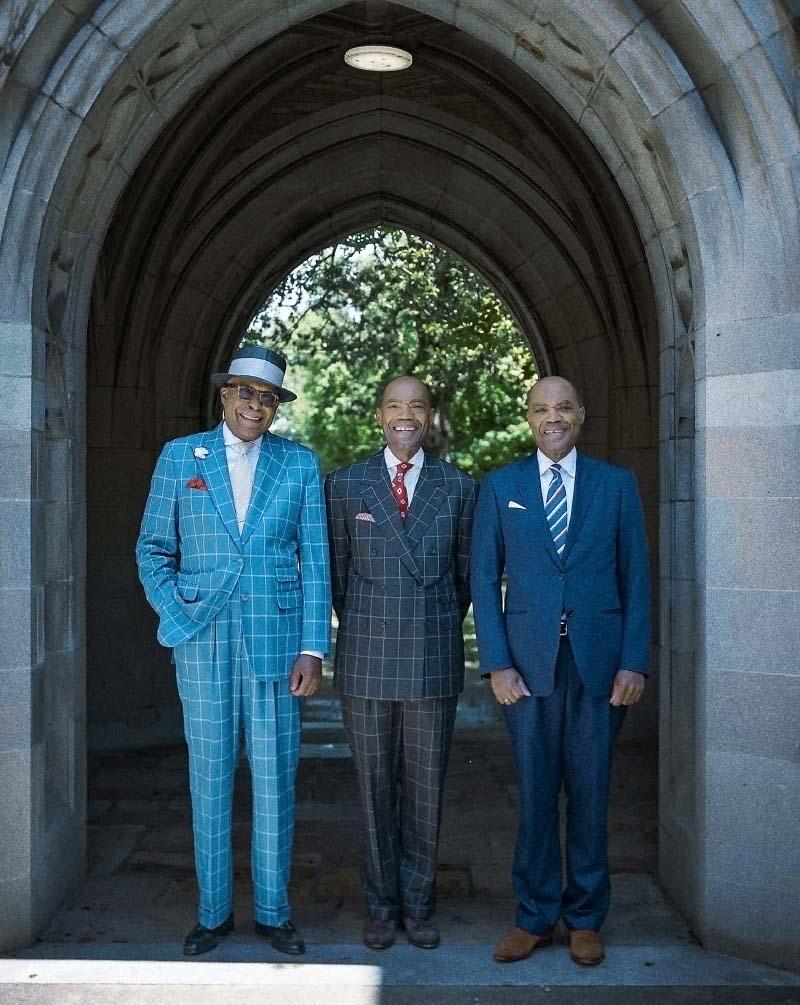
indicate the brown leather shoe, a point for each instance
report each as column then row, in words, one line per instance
column 519, row 944
column 378, row 934
column 421, row 932
column 586, row 947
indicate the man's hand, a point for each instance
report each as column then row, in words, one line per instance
column 306, row 675
column 628, row 687
column 508, row 686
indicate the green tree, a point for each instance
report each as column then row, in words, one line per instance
column 382, row 303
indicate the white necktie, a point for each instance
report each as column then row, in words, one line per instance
column 242, row 481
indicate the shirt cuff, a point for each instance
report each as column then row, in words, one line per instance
column 312, row 652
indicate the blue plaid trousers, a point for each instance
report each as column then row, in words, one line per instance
column 220, row 699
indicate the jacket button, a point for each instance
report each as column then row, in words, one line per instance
column 561, row 576
column 373, row 552
column 569, row 613
column 420, row 586
column 245, row 597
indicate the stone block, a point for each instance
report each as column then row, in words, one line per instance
column 15, row 828
column 753, row 631
column 750, row 920
column 755, row 714
column 684, row 468
column 677, row 864
column 753, row 346
column 666, row 417
column 753, row 400
column 752, row 463
column 17, row 929
column 57, row 616
column 16, row 449
column 682, row 616
column 16, row 403
column 15, row 541
column 58, row 522
column 752, row 883
column 16, row 650
column 683, row 540
column 753, row 543
column 679, row 718
column 15, row 709
column 652, row 68
column 58, row 469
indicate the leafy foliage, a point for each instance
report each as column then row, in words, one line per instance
column 385, row 303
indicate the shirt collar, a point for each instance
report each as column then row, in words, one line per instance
column 391, row 461
column 567, row 464
column 231, row 441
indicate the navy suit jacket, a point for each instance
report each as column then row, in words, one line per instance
column 601, row 582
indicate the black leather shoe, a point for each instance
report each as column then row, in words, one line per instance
column 203, row 940
column 421, row 932
column 379, row 934
column 285, row 938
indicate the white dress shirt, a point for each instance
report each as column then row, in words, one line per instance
column 231, row 444
column 412, row 476
column 567, row 465
column 231, row 452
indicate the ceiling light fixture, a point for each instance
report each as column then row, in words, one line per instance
column 378, row 58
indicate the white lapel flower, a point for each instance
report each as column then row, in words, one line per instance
column 200, row 452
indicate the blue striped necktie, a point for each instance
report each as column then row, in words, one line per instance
column 555, row 508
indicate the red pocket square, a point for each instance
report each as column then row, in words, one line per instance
column 365, row 516
column 196, row 483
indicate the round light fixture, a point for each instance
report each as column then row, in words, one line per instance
column 378, row 58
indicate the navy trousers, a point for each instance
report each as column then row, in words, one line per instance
column 566, row 737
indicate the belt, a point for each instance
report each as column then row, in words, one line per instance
column 564, row 631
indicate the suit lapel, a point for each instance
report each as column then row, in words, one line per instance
column 428, row 498
column 268, row 476
column 586, row 474
column 378, row 498
column 214, row 471
column 529, row 485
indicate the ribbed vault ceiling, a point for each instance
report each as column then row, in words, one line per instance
column 290, row 149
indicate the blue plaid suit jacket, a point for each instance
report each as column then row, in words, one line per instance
column 401, row 591
column 192, row 559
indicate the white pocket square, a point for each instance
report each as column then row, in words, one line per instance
column 365, row 516
column 515, row 505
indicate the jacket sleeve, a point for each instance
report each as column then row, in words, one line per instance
column 486, row 575
column 157, row 553
column 634, row 580
column 339, row 537
column 312, row 536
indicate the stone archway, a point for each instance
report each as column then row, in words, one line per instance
column 665, row 166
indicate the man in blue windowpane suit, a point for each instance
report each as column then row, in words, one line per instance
column 233, row 557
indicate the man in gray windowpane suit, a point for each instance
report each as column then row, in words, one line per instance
column 399, row 525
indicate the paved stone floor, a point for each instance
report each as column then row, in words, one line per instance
column 139, row 898
column 141, row 886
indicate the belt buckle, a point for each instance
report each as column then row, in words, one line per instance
column 563, row 632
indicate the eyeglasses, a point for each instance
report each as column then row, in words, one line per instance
column 266, row 398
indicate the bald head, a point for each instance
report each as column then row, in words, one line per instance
column 559, row 385
column 404, row 415
column 555, row 415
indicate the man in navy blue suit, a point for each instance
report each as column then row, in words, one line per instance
column 566, row 653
